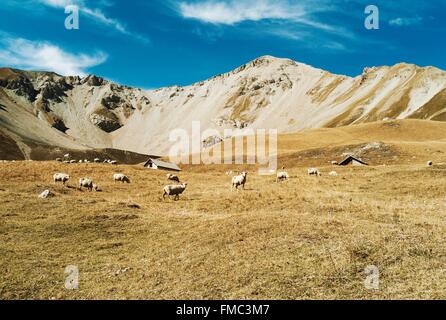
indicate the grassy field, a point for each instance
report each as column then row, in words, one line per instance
column 308, row 238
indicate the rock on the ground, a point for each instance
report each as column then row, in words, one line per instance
column 46, row 194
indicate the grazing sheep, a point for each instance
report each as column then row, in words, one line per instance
column 174, row 190
column 87, row 183
column 314, row 172
column 67, row 156
column 119, row 177
column 58, row 159
column 114, row 162
column 97, row 160
column 430, row 163
column 61, row 177
column 333, row 174
column 282, row 176
column 106, row 161
column 80, row 161
column 239, row 180
column 73, row 161
column 173, row 177
column 334, row 163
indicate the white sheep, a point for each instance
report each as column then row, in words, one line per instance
column 61, row 177
column 113, row 162
column 314, row 172
column 97, row 160
column 333, row 174
column 173, row 177
column 334, row 163
column 58, row 159
column 87, row 183
column 239, row 180
column 174, row 190
column 282, row 176
column 72, row 161
column 119, row 177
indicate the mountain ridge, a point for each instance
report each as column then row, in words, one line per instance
column 268, row 92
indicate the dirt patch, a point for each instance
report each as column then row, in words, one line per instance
column 9, row 150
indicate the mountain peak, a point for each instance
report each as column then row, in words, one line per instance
column 267, row 92
column 271, row 58
column 267, row 59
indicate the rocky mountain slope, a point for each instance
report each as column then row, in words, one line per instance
column 47, row 109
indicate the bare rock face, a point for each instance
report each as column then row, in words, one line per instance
column 112, row 101
column 55, row 90
column 107, row 121
column 60, row 125
column 93, row 81
column 116, row 104
column 73, row 80
column 35, row 85
column 21, row 85
column 211, row 141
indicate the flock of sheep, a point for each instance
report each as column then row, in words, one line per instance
column 96, row 160
column 177, row 189
column 170, row 190
column 238, row 181
column 88, row 183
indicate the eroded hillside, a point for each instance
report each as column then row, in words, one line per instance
column 74, row 113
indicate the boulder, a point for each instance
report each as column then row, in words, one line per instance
column 46, row 194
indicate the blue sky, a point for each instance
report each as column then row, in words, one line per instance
column 156, row 43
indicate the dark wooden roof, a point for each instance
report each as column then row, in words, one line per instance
column 351, row 158
column 162, row 164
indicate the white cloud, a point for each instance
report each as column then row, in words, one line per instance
column 283, row 18
column 44, row 56
column 401, row 22
column 59, row 3
column 235, row 11
column 95, row 14
column 336, row 46
column 288, row 34
column 101, row 17
column 296, row 21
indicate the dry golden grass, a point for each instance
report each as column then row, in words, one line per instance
column 307, row 238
